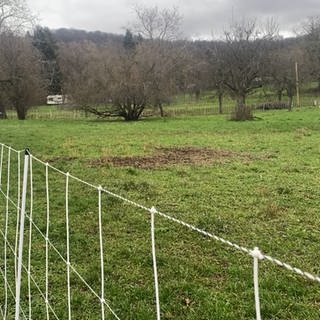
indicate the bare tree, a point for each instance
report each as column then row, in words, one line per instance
column 122, row 80
column 311, row 33
column 15, row 16
column 129, row 88
column 107, row 81
column 159, row 28
column 20, row 73
column 3, row 101
column 281, row 70
column 168, row 64
column 83, row 68
column 241, row 56
column 216, row 78
column 155, row 23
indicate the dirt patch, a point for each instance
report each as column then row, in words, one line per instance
column 171, row 156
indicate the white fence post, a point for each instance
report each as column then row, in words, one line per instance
column 153, row 211
column 47, row 241
column 68, row 246
column 102, row 299
column 22, row 217
column 256, row 254
column 18, row 214
column 30, row 239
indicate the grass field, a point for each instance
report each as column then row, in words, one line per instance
column 255, row 183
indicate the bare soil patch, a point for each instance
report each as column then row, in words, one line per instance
column 172, row 156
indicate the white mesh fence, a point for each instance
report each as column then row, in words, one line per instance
column 29, row 244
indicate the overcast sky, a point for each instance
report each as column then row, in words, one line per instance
column 202, row 18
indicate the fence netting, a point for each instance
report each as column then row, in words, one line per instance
column 74, row 250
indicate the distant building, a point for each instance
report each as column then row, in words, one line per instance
column 56, row 99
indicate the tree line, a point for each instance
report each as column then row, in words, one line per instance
column 148, row 66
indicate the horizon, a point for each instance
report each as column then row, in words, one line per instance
column 200, row 21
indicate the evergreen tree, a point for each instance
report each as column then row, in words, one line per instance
column 44, row 41
column 128, row 41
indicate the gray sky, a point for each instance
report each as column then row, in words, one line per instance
column 202, row 18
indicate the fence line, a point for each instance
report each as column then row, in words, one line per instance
column 48, row 242
column 179, row 107
column 255, row 253
column 32, row 278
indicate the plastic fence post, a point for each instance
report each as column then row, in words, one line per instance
column 47, row 241
column 22, row 218
column 68, row 246
column 102, row 300
column 18, row 214
column 30, row 240
column 257, row 255
column 153, row 211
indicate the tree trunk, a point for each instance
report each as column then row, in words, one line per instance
column 241, row 100
column 161, row 110
column 21, row 113
column 241, row 111
column 279, row 95
column 133, row 112
column 197, row 94
column 3, row 113
column 220, row 97
column 290, row 103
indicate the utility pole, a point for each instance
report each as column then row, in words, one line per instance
column 297, row 84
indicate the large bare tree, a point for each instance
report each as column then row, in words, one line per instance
column 241, row 56
column 20, row 73
column 15, row 19
column 122, row 80
column 165, row 56
column 157, row 24
column 107, row 81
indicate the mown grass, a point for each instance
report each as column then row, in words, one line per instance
column 269, row 199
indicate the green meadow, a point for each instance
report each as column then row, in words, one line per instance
column 255, row 183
